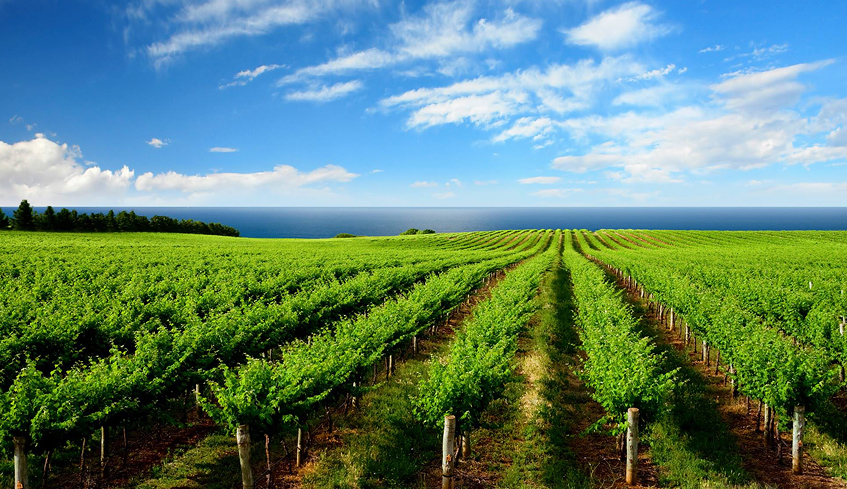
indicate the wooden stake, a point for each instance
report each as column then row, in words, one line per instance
column 767, row 430
column 104, row 450
column 269, row 481
column 242, row 437
column 126, row 450
column 45, row 472
column 797, row 439
column 299, row 446
column 632, row 447
column 447, row 455
column 466, row 445
column 21, row 472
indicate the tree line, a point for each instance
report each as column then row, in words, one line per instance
column 25, row 218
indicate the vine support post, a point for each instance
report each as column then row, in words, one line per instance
column 687, row 334
column 671, row 326
column 197, row 397
column 21, row 472
column 797, row 439
column 447, row 455
column 767, row 425
column 104, row 449
column 632, row 446
column 299, row 446
column 242, row 437
column 269, row 479
column 466, row 444
column 705, row 353
column 415, row 345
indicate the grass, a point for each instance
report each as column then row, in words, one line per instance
column 211, row 464
column 826, row 439
column 543, row 459
column 383, row 444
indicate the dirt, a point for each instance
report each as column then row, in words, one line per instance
column 764, row 462
column 146, row 448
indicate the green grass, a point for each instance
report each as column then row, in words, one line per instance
column 543, row 458
column 211, row 464
column 383, row 444
column 826, row 439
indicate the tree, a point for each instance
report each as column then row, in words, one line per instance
column 409, row 231
column 4, row 220
column 426, row 231
column 47, row 220
column 24, row 218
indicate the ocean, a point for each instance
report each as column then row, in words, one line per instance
column 325, row 222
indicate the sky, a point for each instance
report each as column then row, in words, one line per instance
column 435, row 103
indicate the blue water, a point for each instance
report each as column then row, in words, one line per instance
column 324, row 222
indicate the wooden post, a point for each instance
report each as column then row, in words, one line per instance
column 197, row 397
column 447, row 443
column 299, row 446
column 354, row 401
column 632, row 447
column 21, row 473
column 242, row 437
column 687, row 334
column 104, row 450
column 797, row 439
column 705, row 353
column 269, row 480
column 126, row 449
column 466, row 445
column 767, row 428
column 671, row 326
column 735, row 385
column 415, row 345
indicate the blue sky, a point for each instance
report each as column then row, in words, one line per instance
column 448, row 103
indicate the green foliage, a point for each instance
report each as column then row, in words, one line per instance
column 426, row 231
column 479, row 363
column 345, row 235
column 4, row 221
column 621, row 366
column 409, row 232
column 24, row 217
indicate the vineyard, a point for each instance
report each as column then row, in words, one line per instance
column 533, row 358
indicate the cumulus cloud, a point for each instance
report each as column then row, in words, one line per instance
column 48, row 173
column 539, row 180
column 622, row 27
column 157, row 143
column 752, row 123
column 325, row 93
column 282, row 177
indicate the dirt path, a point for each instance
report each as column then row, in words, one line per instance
column 763, row 462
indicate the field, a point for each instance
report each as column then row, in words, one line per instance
column 165, row 361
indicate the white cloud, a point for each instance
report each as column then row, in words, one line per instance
column 712, row 49
column 539, row 180
column 657, row 73
column 48, row 173
column 373, row 172
column 282, row 177
column 325, row 93
column 455, row 182
column 202, row 24
column 16, row 119
column 838, row 137
column 765, row 90
column 556, row 192
column 528, row 127
column 656, row 96
column 246, row 76
column 219, row 149
column 424, row 184
column 490, row 101
column 441, row 31
column 624, row 26
column 485, row 182
column 157, row 143
column 30, row 127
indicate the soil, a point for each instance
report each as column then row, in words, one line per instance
column 146, row 448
